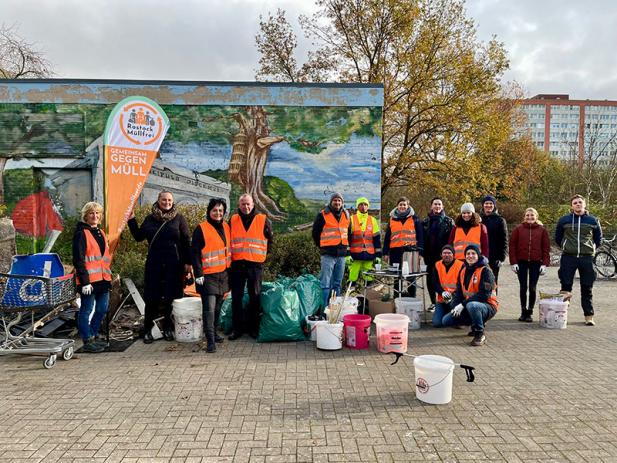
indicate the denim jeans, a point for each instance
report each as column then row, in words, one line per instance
column 441, row 310
column 474, row 314
column 331, row 276
column 89, row 328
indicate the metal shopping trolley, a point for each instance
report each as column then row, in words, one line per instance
column 35, row 285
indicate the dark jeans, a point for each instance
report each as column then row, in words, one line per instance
column 250, row 276
column 494, row 265
column 568, row 267
column 531, row 270
column 211, row 310
column 430, row 283
column 99, row 302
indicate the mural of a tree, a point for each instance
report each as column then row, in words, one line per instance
column 253, row 130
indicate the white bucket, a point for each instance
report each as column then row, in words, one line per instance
column 392, row 332
column 553, row 314
column 413, row 308
column 329, row 336
column 349, row 307
column 433, row 378
column 187, row 315
column 312, row 326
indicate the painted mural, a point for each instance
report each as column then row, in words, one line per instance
column 290, row 157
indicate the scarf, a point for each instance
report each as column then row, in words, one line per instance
column 163, row 216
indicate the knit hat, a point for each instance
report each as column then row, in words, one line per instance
column 448, row 246
column 361, row 201
column 491, row 199
column 468, row 207
column 474, row 248
column 337, row 195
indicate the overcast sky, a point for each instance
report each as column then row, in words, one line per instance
column 565, row 46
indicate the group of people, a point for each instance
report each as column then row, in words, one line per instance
column 463, row 258
column 220, row 255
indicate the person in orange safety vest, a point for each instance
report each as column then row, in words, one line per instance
column 251, row 237
column 92, row 263
column 211, row 259
column 445, row 277
column 475, row 299
column 331, row 231
column 468, row 229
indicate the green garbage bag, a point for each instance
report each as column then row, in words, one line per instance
column 225, row 317
column 281, row 313
column 309, row 291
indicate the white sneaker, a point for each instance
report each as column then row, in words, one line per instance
column 589, row 320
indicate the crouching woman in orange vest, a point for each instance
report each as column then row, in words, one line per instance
column 211, row 259
column 475, row 300
column 92, row 264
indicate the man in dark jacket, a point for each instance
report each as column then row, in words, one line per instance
column 578, row 234
column 437, row 227
column 331, row 230
column 497, row 234
column 474, row 301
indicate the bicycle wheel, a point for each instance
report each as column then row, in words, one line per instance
column 605, row 264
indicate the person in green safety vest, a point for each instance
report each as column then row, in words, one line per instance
column 364, row 243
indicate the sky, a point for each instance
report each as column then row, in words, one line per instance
column 554, row 46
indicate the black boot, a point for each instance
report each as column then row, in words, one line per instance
column 529, row 316
column 523, row 315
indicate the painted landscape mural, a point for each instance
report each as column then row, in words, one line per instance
column 291, row 158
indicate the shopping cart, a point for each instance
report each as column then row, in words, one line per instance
column 35, row 285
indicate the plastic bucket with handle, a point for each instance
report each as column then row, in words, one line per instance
column 357, row 330
column 433, row 378
column 187, row 315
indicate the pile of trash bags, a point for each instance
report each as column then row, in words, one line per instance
column 285, row 303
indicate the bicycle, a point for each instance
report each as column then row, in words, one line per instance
column 605, row 260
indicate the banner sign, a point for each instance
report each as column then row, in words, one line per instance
column 133, row 135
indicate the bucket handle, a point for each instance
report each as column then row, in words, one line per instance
column 468, row 369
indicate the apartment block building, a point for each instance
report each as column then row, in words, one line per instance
column 573, row 130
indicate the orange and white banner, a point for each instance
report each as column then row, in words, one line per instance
column 133, row 135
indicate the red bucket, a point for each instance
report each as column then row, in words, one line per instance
column 357, row 330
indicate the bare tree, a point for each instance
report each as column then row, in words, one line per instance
column 19, row 59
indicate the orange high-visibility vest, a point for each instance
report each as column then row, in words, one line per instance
column 334, row 232
column 250, row 244
column 215, row 255
column 462, row 240
column 474, row 287
column 98, row 266
column 448, row 278
column 402, row 234
column 362, row 241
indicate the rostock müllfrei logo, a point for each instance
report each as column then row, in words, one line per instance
column 141, row 123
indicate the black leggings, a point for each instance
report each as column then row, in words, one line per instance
column 533, row 269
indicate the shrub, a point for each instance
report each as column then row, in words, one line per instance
column 291, row 255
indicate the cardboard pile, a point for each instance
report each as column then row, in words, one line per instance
column 376, row 305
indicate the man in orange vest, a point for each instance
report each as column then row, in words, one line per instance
column 475, row 300
column 251, row 237
column 365, row 242
column 331, row 235
column 445, row 277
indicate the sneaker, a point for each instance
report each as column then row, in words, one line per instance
column 211, row 348
column 92, row 348
column 431, row 308
column 479, row 339
column 148, row 339
column 168, row 335
column 589, row 320
column 218, row 339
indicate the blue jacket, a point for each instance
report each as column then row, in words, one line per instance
column 578, row 235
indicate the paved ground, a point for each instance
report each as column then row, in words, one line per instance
column 540, row 395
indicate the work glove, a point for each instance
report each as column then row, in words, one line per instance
column 542, row 269
column 348, row 260
column 456, row 311
column 86, row 290
column 514, row 268
column 446, row 296
column 378, row 260
column 199, row 281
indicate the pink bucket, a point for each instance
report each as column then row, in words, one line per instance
column 357, row 330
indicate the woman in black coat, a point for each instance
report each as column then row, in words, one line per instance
column 168, row 260
column 213, row 283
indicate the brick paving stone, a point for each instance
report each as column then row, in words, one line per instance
column 540, row 395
